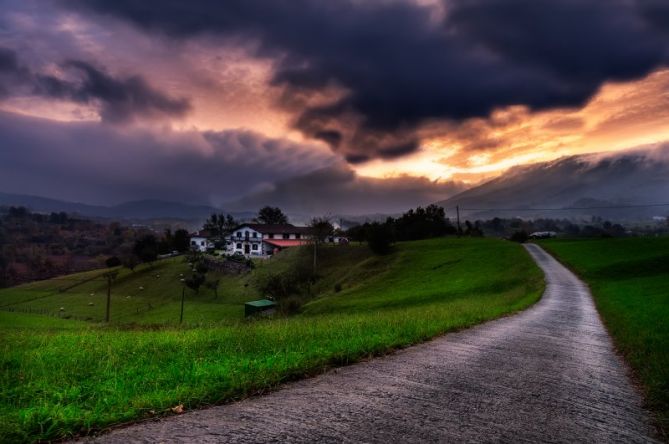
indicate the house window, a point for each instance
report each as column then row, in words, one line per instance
column 239, row 246
column 239, row 234
column 193, row 243
column 297, row 236
column 202, row 243
column 286, row 236
column 254, row 247
column 255, row 234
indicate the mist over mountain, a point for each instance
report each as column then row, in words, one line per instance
column 578, row 186
column 339, row 190
column 635, row 177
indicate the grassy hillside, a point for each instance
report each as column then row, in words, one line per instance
column 149, row 295
column 629, row 279
column 55, row 382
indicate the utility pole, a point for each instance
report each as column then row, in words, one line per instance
column 111, row 275
column 457, row 210
column 315, row 253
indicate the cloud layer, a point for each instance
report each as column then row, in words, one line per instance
column 96, row 163
column 119, row 100
column 391, row 66
column 339, row 190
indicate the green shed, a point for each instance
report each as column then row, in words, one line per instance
column 262, row 306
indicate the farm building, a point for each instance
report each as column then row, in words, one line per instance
column 201, row 241
column 264, row 240
column 542, row 234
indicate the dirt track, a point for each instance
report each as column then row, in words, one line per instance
column 548, row 374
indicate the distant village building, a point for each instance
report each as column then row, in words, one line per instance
column 260, row 240
column 542, row 234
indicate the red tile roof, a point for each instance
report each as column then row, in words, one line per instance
column 283, row 243
column 277, row 229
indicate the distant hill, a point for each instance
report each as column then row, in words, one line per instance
column 149, row 209
column 594, row 180
column 338, row 190
column 134, row 210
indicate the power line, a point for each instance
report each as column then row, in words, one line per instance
column 604, row 207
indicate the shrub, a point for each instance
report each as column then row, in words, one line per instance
column 195, row 282
column 295, row 280
column 379, row 238
column 291, row 305
column 520, row 236
column 201, row 267
column 113, row 262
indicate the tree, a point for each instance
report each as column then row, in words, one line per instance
column 129, row 261
column 113, row 262
column 146, row 248
column 380, row 238
column 213, row 286
column 423, row 223
column 195, row 282
column 127, row 257
column 321, row 228
column 165, row 243
column 181, row 241
column 271, row 216
column 109, row 276
column 220, row 224
column 230, row 223
column 520, row 236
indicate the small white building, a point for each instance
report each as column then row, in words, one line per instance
column 262, row 240
column 542, row 234
column 201, row 241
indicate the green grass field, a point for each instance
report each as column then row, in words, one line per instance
column 629, row 279
column 66, row 377
column 149, row 295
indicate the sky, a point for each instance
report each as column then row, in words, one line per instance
column 394, row 101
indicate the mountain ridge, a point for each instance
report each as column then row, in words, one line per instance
column 636, row 177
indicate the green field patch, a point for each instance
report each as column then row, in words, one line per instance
column 56, row 383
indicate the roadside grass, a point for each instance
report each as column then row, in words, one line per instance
column 58, row 383
column 629, row 279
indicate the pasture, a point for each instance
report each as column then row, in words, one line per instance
column 69, row 377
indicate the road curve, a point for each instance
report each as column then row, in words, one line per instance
column 548, row 374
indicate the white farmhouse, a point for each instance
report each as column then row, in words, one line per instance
column 264, row 240
column 201, row 241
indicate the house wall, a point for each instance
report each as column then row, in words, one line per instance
column 242, row 237
column 238, row 239
column 200, row 243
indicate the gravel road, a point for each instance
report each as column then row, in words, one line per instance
column 548, row 374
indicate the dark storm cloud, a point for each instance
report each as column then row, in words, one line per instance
column 339, row 190
column 119, row 99
column 400, row 65
column 11, row 71
column 9, row 62
column 656, row 12
column 97, row 163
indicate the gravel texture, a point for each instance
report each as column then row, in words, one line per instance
column 548, row 374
